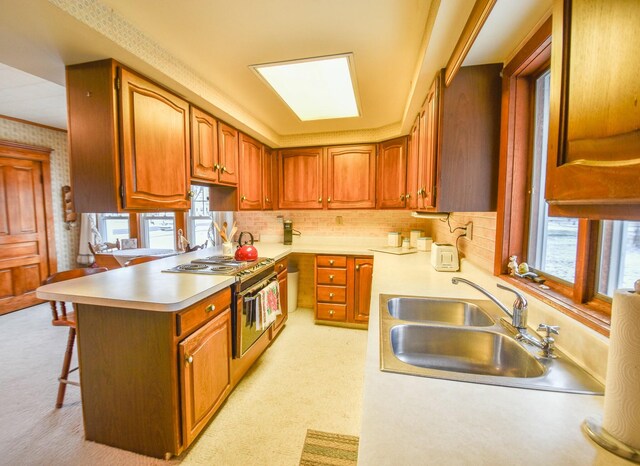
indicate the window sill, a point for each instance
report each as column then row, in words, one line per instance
column 595, row 314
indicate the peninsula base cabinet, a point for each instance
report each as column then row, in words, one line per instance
column 152, row 380
column 343, row 290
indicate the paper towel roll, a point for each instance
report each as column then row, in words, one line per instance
column 622, row 393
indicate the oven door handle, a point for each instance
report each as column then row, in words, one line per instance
column 258, row 285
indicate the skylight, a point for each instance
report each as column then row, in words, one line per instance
column 314, row 88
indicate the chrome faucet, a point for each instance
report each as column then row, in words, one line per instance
column 519, row 318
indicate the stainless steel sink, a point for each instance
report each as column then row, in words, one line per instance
column 439, row 311
column 450, row 341
column 463, row 350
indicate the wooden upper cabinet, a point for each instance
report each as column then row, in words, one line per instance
column 392, row 174
column 250, row 167
column 351, row 177
column 155, row 145
column 413, row 148
column 137, row 159
column 593, row 167
column 268, row 183
column 300, row 179
column 204, row 146
column 228, row 157
column 428, row 146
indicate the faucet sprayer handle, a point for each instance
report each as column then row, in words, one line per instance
column 549, row 329
column 520, row 303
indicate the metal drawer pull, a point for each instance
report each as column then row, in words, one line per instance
column 319, row 199
column 330, row 277
column 331, row 262
column 357, row 267
column 331, row 295
column 210, row 307
column 189, row 359
column 332, row 312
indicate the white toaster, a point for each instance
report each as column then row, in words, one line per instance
column 444, row 257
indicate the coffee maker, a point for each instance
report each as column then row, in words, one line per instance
column 288, row 232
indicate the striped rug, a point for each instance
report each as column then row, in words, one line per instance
column 322, row 448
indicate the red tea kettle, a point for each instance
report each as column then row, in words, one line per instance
column 246, row 251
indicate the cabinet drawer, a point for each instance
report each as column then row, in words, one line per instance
column 337, row 312
column 332, row 277
column 332, row 294
column 194, row 316
column 331, row 261
column 281, row 266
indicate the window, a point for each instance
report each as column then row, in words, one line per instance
column 158, row 230
column 113, row 226
column 199, row 219
column 619, row 256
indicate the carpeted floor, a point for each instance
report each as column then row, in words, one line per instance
column 311, row 378
column 323, row 448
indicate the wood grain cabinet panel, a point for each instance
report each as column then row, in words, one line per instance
column 128, row 140
column 268, row 178
column 205, row 378
column 363, row 277
column 392, row 174
column 351, row 177
column 228, row 157
column 413, row 147
column 429, row 121
column 300, row 179
column 251, row 175
column 594, row 130
column 204, row 146
column 281, row 270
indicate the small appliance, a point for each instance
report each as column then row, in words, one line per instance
column 444, row 257
column 246, row 251
column 288, row 232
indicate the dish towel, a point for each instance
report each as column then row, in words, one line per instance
column 268, row 305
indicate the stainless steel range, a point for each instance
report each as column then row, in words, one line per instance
column 251, row 278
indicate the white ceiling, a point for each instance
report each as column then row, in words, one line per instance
column 203, row 49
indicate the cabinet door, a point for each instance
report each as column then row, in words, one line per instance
column 205, row 375
column 300, row 179
column 227, row 155
column 204, row 146
column 250, row 187
column 413, row 154
column 351, row 177
column 429, row 125
column 392, row 174
column 593, row 163
column 155, row 145
column 281, row 319
column 268, row 165
column 363, row 274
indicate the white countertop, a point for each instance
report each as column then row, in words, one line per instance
column 412, row 420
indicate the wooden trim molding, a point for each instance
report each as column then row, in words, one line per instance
column 477, row 18
column 32, row 123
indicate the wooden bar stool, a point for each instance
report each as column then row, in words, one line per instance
column 62, row 318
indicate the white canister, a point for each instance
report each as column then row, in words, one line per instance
column 406, row 244
column 413, row 237
column 424, row 243
column 394, row 239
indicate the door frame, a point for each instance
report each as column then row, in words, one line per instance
column 42, row 155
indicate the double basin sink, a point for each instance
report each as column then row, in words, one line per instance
column 465, row 340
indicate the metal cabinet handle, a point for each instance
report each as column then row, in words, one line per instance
column 266, row 199
column 189, row 359
column 402, row 197
column 216, row 166
column 331, row 295
column 330, row 278
column 210, row 308
column 190, row 195
column 223, row 169
column 319, row 199
column 357, row 267
column 407, row 196
column 332, row 312
column 329, row 199
column 331, row 262
column 243, row 198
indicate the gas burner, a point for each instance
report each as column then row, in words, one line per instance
column 188, row 267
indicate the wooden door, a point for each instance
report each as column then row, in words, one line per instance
column 27, row 252
column 228, row 155
column 413, row 153
column 593, row 164
column 351, row 177
column 250, row 186
column 205, row 373
column 363, row 275
column 155, row 145
column 392, row 174
column 429, row 144
column 300, row 179
column 204, row 146
column 268, row 168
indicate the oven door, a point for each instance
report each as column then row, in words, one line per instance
column 246, row 331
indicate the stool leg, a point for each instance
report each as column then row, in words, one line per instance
column 65, row 367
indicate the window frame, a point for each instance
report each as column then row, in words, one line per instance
column 579, row 300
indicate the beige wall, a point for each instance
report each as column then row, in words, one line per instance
column 66, row 240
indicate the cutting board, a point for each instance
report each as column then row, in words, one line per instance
column 394, row 250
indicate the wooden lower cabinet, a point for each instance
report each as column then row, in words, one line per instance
column 205, row 378
column 343, row 289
